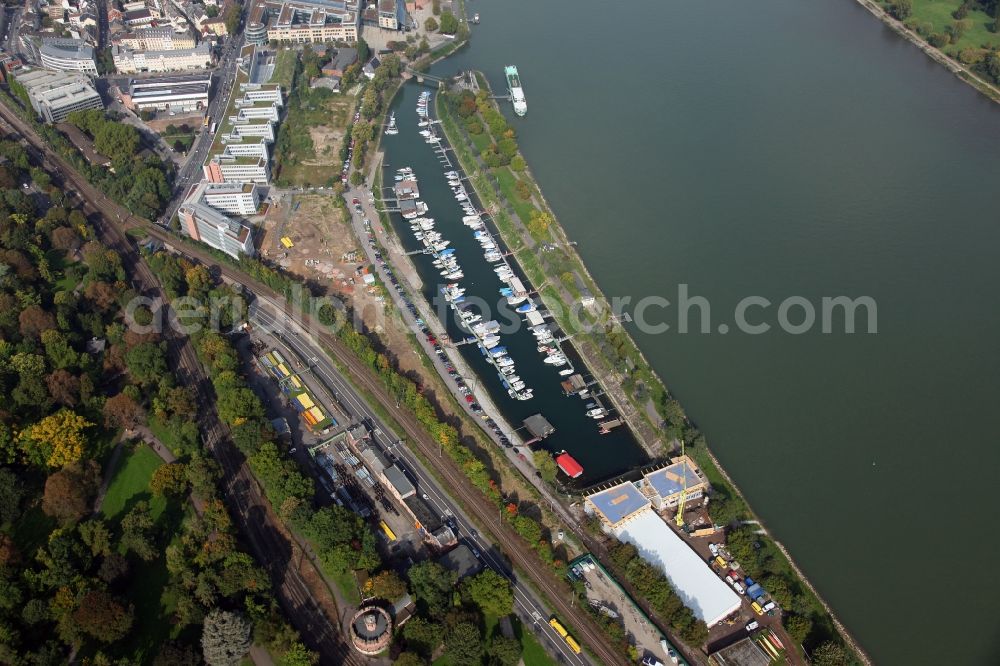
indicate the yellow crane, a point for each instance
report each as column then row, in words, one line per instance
column 679, row 519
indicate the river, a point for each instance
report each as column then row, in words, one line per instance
column 782, row 148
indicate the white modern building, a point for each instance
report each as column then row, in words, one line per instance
column 174, row 93
column 222, row 168
column 204, row 223
column 69, row 55
column 240, row 152
column 55, row 95
column 236, row 198
column 306, row 21
column 128, row 61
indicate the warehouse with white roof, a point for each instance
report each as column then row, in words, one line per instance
column 627, row 514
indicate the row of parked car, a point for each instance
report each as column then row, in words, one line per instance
column 460, row 382
column 744, row 585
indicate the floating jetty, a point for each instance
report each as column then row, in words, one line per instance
column 569, row 466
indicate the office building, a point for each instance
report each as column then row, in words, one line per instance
column 174, row 93
column 156, row 39
column 69, row 55
column 236, row 198
column 204, row 223
column 55, row 95
column 128, row 61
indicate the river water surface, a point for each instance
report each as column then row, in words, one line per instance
column 782, row 148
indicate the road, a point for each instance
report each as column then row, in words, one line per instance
column 268, row 315
column 190, row 173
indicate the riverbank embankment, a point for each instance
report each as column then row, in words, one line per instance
column 985, row 87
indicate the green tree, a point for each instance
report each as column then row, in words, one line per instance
column 137, row 531
column 68, row 491
column 146, row 363
column 902, row 9
column 410, row 659
column 546, row 465
column 170, row 480
column 831, row 654
column 432, row 585
column 298, row 655
column 103, row 616
column 430, row 25
column 798, row 626
column 386, row 585
column 422, row 636
column 464, row 643
column 491, row 592
column 12, row 492
column 231, row 17
column 505, row 651
column 449, row 24
column 225, row 638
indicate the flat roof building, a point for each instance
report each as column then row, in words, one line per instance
column 305, row 21
column 664, row 485
column 618, row 504
column 398, row 483
column 128, row 61
column 56, row 94
column 462, row 561
column 236, row 198
column 709, row 597
column 70, row 55
column 175, row 93
column 205, row 224
column 741, row 653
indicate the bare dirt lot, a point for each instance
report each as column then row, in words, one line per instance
column 326, row 252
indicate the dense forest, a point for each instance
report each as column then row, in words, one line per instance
column 115, row 547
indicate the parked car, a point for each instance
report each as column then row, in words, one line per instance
column 714, row 548
column 769, row 606
column 753, row 625
column 738, row 587
column 651, row 661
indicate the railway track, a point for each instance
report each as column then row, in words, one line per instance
column 242, row 490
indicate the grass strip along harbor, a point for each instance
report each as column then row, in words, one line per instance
column 500, row 187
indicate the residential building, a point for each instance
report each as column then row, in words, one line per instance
column 128, row 61
column 344, row 58
column 70, row 55
column 175, row 93
column 156, row 39
column 204, row 223
column 56, row 94
column 370, row 67
column 137, row 18
column 236, row 198
column 385, row 14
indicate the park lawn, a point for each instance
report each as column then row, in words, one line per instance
column 481, row 141
column 305, row 163
column 532, row 652
column 507, row 179
column 347, row 584
column 131, row 484
column 938, row 14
